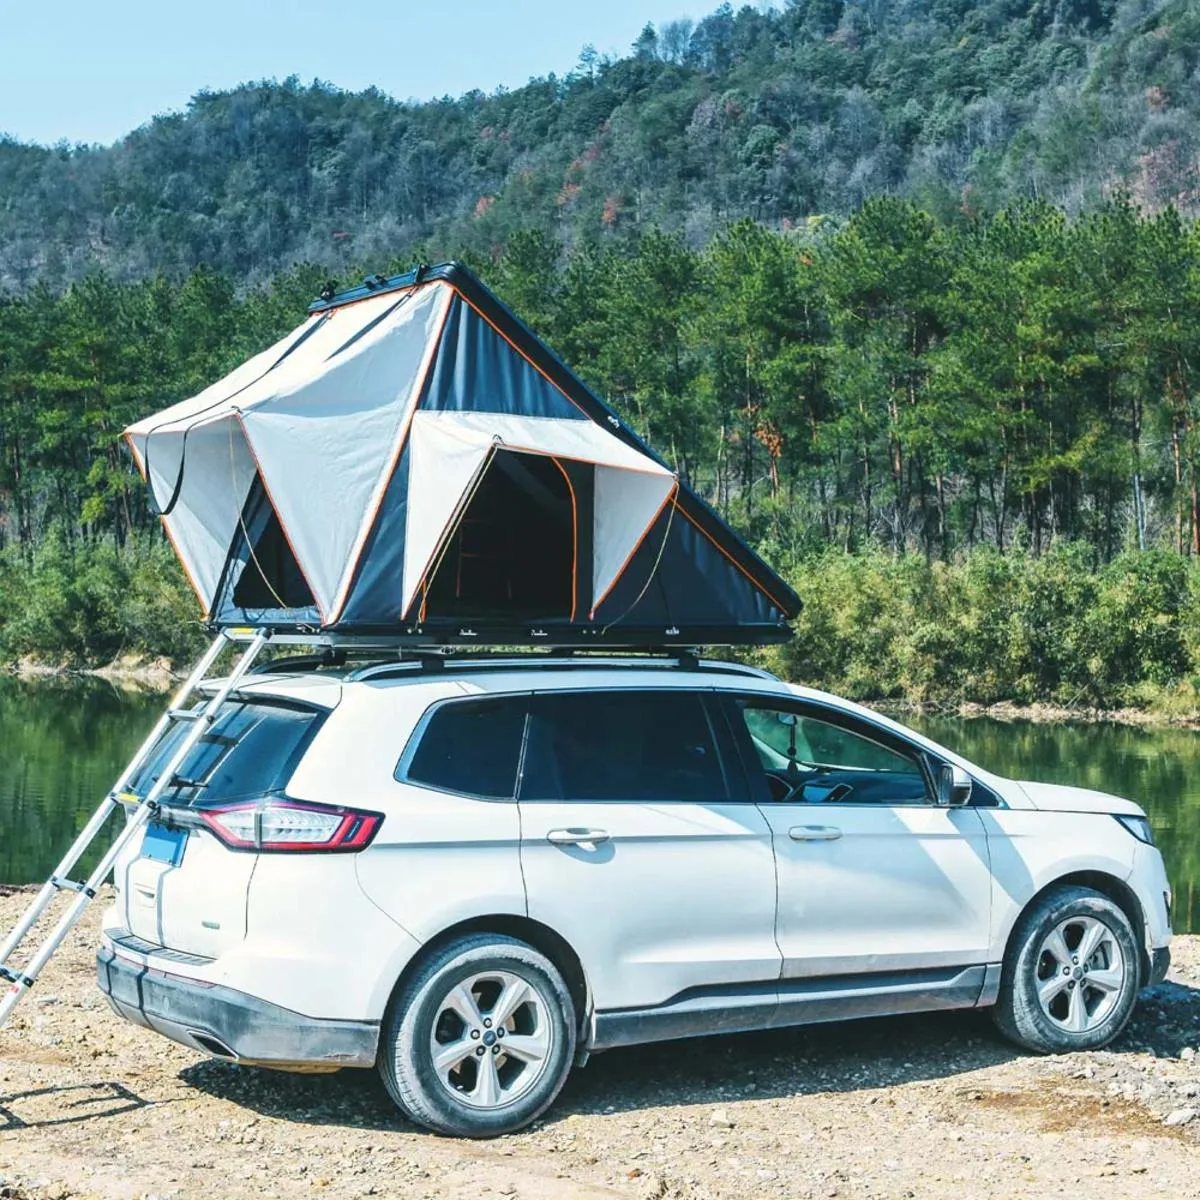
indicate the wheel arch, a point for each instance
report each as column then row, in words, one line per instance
column 1117, row 890
column 525, row 929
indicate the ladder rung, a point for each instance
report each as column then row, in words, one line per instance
column 16, row 977
column 72, row 885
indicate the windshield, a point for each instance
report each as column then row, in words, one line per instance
column 249, row 751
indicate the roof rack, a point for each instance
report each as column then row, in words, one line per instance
column 547, row 662
column 370, row 656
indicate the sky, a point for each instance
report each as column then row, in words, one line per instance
column 91, row 71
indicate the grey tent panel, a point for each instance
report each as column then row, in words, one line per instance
column 376, row 596
column 679, row 578
column 476, row 370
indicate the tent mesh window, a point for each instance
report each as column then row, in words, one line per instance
column 513, row 550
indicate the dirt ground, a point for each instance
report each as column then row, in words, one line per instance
column 913, row 1107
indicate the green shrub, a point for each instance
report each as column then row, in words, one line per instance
column 85, row 604
column 994, row 627
column 989, row 627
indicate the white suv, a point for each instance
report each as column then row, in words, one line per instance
column 474, row 873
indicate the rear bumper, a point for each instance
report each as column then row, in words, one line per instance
column 229, row 1024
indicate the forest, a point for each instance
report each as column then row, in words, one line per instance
column 770, row 113
column 909, row 290
column 971, row 445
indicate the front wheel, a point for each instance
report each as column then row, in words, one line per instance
column 1070, row 976
column 480, row 1041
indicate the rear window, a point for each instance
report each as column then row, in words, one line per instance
column 471, row 747
column 248, row 752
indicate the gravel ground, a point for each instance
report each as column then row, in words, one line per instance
column 913, row 1107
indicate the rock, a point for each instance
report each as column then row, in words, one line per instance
column 1187, row 1053
column 721, row 1118
column 1181, row 1116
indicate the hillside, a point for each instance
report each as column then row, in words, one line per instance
column 773, row 115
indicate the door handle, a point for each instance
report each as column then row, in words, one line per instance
column 814, row 833
column 577, row 837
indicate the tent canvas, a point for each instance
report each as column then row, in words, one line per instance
column 413, row 461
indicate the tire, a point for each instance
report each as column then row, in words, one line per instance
column 450, row 1003
column 1050, row 1001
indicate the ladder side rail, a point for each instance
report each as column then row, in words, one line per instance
column 33, row 913
column 91, row 830
column 199, row 728
column 139, row 817
column 188, row 686
column 25, row 979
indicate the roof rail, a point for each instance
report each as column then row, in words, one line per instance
column 330, row 656
column 552, row 662
column 410, row 661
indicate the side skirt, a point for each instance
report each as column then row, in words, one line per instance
column 775, row 1005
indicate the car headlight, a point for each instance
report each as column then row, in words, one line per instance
column 1139, row 827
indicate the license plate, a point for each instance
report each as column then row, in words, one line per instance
column 164, row 844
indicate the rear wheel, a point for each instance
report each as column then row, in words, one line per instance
column 480, row 1041
column 1071, row 974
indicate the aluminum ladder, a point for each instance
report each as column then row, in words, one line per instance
column 201, row 720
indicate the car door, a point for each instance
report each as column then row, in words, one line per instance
column 873, row 874
column 640, row 849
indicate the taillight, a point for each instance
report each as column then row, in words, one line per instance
column 289, row 825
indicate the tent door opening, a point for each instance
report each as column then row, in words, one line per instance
column 268, row 576
column 513, row 552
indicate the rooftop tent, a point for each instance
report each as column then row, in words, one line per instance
column 413, row 461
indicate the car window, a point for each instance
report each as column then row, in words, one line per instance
column 648, row 746
column 809, row 760
column 471, row 747
column 247, row 752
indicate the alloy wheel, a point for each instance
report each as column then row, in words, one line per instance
column 1080, row 974
column 491, row 1039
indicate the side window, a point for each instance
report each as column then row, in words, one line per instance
column 648, row 746
column 471, row 747
column 809, row 760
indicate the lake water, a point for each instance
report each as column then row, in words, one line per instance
column 63, row 743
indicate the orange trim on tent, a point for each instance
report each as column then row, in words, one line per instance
column 279, row 517
column 439, row 551
column 670, row 499
column 137, row 457
column 496, row 328
column 574, row 537
column 385, row 479
column 542, row 452
column 766, row 592
column 187, row 570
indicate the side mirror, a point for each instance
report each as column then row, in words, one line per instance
column 954, row 786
